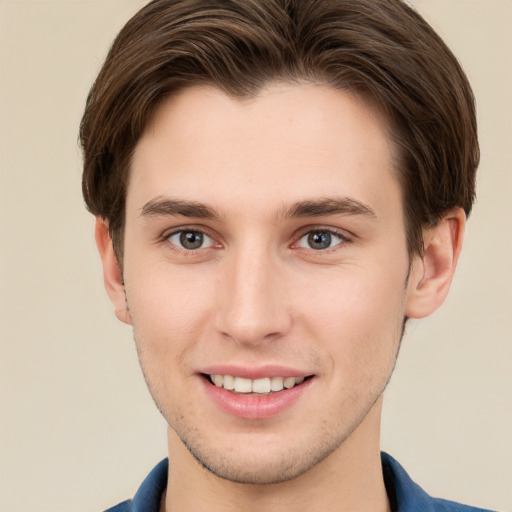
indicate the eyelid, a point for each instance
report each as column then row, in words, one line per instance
column 186, row 227
column 340, row 233
column 192, row 228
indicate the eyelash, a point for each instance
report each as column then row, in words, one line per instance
column 343, row 239
column 185, row 230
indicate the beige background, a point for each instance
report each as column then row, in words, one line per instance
column 78, row 428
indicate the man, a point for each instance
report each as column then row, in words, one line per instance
column 278, row 186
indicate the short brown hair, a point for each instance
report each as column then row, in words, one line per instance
column 381, row 49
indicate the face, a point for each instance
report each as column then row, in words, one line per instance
column 266, row 271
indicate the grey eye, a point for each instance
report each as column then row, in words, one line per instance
column 320, row 240
column 190, row 240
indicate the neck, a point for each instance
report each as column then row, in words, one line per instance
column 350, row 478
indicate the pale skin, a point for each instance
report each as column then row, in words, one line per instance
column 296, row 258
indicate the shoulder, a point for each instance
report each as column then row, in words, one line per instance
column 407, row 496
column 440, row 505
column 149, row 495
column 125, row 506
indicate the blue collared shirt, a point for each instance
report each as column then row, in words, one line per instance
column 404, row 495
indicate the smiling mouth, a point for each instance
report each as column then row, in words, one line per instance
column 256, row 387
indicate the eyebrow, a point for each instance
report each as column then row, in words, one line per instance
column 161, row 206
column 329, row 206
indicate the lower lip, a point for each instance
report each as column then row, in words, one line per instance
column 256, row 407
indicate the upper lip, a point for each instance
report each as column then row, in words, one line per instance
column 254, row 372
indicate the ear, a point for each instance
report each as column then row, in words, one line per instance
column 112, row 275
column 432, row 272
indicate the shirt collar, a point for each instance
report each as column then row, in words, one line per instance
column 149, row 495
column 404, row 495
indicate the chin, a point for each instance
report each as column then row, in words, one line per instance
column 255, row 473
column 261, row 463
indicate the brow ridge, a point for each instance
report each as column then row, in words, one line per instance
column 329, row 206
column 161, row 206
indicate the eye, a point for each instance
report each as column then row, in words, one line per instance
column 190, row 240
column 320, row 240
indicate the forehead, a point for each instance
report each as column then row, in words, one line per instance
column 285, row 142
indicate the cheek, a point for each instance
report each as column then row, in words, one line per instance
column 168, row 317
column 356, row 316
column 168, row 310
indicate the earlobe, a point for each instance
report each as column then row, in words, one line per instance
column 432, row 272
column 112, row 275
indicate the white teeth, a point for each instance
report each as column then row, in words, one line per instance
column 218, row 380
column 259, row 386
column 277, row 384
column 243, row 385
column 229, row 382
column 289, row 382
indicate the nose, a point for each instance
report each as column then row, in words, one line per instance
column 253, row 304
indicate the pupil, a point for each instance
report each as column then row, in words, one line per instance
column 191, row 240
column 319, row 240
